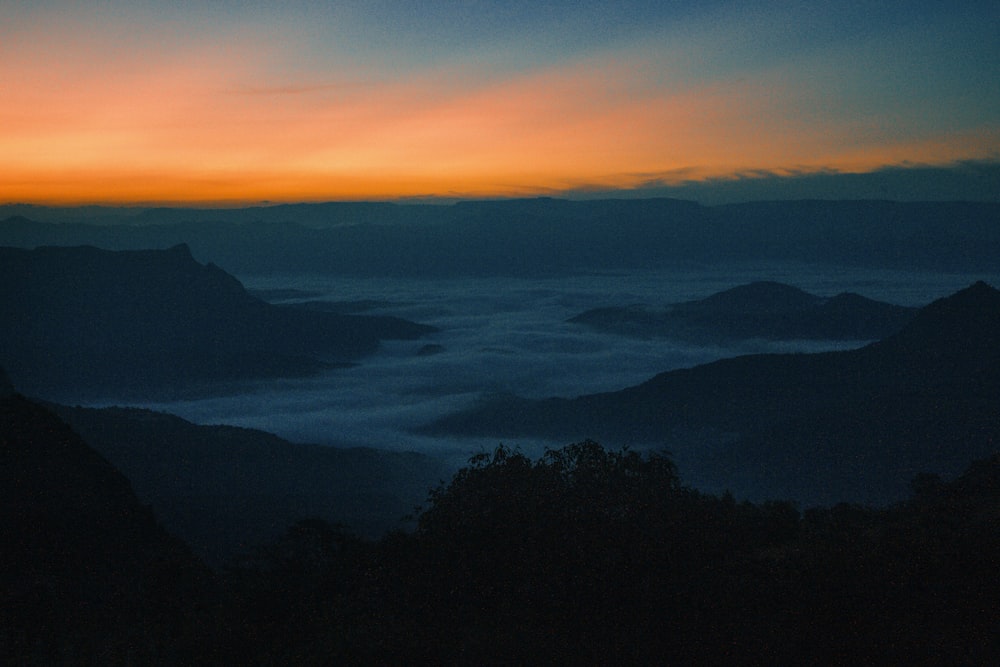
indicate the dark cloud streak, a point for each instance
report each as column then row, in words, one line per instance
column 973, row 180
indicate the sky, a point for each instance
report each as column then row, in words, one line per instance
column 243, row 102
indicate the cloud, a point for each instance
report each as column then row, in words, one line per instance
column 967, row 180
column 508, row 335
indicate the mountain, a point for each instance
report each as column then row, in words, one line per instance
column 87, row 575
column 533, row 237
column 84, row 322
column 818, row 428
column 764, row 310
column 224, row 489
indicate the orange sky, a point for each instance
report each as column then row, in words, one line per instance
column 94, row 115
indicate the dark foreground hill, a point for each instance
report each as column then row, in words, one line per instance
column 87, row 575
column 762, row 310
column 586, row 556
column 818, row 428
column 83, row 323
column 225, row 489
column 595, row 557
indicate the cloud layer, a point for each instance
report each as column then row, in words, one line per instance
column 506, row 335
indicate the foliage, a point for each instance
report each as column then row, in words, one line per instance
column 594, row 556
column 591, row 556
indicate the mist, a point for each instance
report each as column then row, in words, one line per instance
column 507, row 335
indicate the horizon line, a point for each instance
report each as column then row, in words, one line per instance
column 961, row 180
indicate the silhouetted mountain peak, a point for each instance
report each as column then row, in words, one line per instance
column 181, row 249
column 848, row 299
column 966, row 324
column 765, row 309
column 979, row 293
column 762, row 296
column 82, row 320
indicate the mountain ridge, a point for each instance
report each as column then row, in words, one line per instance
column 83, row 322
column 531, row 237
column 766, row 425
column 227, row 489
column 763, row 309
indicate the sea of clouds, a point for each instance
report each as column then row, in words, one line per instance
column 510, row 335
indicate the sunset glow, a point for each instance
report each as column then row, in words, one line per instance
column 239, row 105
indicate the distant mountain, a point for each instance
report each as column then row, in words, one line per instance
column 765, row 310
column 818, row 428
column 83, row 322
column 87, row 575
column 314, row 215
column 224, row 489
column 531, row 237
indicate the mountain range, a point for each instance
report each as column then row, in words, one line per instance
column 760, row 310
column 108, row 515
column 821, row 428
column 532, row 237
column 84, row 323
column 225, row 490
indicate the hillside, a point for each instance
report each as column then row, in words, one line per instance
column 817, row 428
column 87, row 575
column 224, row 489
column 84, row 323
column 582, row 557
column 760, row 310
column 570, row 559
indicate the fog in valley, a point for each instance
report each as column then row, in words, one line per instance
column 386, row 320
column 499, row 333
column 509, row 335
column 827, row 406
